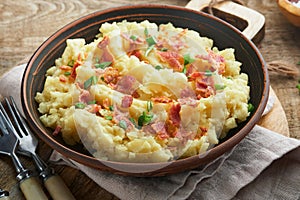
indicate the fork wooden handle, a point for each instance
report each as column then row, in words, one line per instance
column 57, row 188
column 32, row 189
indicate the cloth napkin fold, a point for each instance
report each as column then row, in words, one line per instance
column 264, row 165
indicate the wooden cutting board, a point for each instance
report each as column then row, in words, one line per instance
column 252, row 24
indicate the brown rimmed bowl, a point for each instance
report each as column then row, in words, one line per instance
column 224, row 36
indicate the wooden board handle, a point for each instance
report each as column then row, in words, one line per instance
column 58, row 189
column 254, row 29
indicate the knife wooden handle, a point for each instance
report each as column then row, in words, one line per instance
column 57, row 188
column 32, row 189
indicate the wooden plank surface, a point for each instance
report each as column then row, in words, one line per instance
column 25, row 24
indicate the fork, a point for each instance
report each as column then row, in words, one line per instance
column 4, row 195
column 28, row 144
column 28, row 183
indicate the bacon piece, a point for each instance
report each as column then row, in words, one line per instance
column 63, row 78
column 204, row 87
column 160, row 130
column 106, row 103
column 93, row 108
column 171, row 129
column 162, row 99
column 187, row 93
column 126, row 101
column 217, row 61
column 77, row 63
column 173, row 59
column 122, row 116
column 127, row 84
column 188, row 101
column 56, row 130
column 111, row 75
column 103, row 52
column 174, row 115
column 133, row 44
column 136, row 53
column 84, row 96
column 65, row 67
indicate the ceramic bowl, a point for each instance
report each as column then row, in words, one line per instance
column 291, row 10
column 223, row 34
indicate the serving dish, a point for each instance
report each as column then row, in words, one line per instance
column 291, row 10
column 223, row 34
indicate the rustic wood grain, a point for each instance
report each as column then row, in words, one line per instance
column 25, row 24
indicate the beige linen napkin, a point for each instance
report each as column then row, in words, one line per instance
column 265, row 165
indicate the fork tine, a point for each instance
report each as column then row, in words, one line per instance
column 5, row 115
column 17, row 117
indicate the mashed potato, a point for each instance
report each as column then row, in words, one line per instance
column 144, row 93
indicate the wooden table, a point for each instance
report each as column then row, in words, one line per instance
column 25, row 24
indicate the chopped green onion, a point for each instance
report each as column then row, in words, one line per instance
column 250, row 107
column 111, row 108
column 67, row 73
column 97, row 60
column 123, row 124
column 133, row 37
column 148, row 50
column 134, row 123
column 108, row 117
column 92, row 102
column 164, row 49
column 71, row 63
column 91, row 81
column 149, row 106
column 103, row 65
column 187, row 59
column 146, row 32
column 151, row 41
column 79, row 105
column 219, row 87
column 184, row 70
column 144, row 119
column 158, row 67
column 208, row 73
column 298, row 63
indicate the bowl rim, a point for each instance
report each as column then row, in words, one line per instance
column 94, row 162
